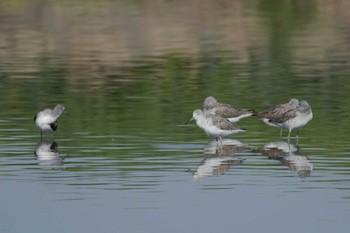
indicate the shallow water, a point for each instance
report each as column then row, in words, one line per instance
column 130, row 75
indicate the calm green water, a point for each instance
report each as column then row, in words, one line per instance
column 130, row 75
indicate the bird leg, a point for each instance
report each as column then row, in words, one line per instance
column 297, row 137
column 289, row 135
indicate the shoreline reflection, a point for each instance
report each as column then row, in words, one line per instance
column 289, row 155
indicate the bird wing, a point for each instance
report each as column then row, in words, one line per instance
column 223, row 123
column 274, row 113
column 286, row 116
column 228, row 111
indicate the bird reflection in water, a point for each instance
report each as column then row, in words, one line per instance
column 46, row 152
column 290, row 156
column 219, row 157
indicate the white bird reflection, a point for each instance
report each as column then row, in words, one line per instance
column 219, row 157
column 225, row 147
column 46, row 152
column 290, row 156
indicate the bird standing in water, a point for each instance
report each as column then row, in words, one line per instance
column 214, row 125
column 46, row 120
column 273, row 116
column 296, row 118
column 292, row 115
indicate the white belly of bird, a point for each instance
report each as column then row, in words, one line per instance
column 297, row 122
column 212, row 130
column 43, row 122
column 43, row 127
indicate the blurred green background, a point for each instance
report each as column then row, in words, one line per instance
column 142, row 67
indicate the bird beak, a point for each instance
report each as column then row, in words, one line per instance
column 189, row 121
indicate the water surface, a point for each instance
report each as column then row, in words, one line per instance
column 130, row 75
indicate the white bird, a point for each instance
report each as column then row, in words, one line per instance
column 227, row 111
column 292, row 115
column 214, row 125
column 296, row 118
column 46, row 120
column 273, row 116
